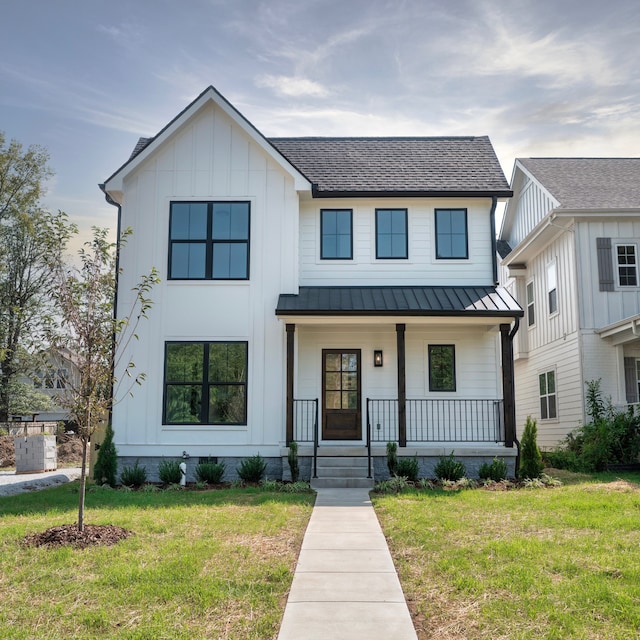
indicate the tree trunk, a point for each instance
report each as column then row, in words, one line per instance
column 83, row 480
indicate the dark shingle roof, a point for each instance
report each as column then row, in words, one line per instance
column 503, row 248
column 339, row 166
column 589, row 183
column 140, row 145
column 395, row 301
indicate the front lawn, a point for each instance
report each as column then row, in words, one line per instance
column 558, row 562
column 201, row 564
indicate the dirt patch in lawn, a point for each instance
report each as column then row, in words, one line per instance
column 92, row 535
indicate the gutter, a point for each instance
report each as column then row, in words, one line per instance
column 494, row 241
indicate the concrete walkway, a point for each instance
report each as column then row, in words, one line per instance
column 345, row 586
column 12, row 483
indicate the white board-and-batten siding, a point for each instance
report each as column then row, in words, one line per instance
column 208, row 159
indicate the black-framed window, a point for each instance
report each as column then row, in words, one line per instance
column 205, row 383
column 442, row 367
column 531, row 304
column 209, row 240
column 451, row 234
column 548, row 400
column 391, row 233
column 336, row 234
column 627, row 265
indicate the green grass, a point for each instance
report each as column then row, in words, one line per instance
column 210, row 564
column 534, row 563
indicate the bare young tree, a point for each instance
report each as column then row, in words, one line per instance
column 85, row 326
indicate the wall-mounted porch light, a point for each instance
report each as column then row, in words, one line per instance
column 377, row 358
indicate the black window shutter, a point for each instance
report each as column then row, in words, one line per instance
column 605, row 264
column 630, row 382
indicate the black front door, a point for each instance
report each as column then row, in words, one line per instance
column 341, row 410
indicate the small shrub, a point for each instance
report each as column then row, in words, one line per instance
column 531, row 465
column 106, row 467
column 495, row 471
column 134, row 476
column 448, row 468
column 423, row 483
column 270, row 485
column 292, row 459
column 296, row 487
column 252, row 469
column 392, row 458
column 407, row 468
column 169, row 471
column 395, row 484
column 210, row 472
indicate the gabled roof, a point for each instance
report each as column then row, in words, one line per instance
column 399, row 301
column 465, row 166
column 588, row 183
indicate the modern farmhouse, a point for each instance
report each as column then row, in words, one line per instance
column 336, row 292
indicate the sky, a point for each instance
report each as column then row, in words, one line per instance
column 86, row 78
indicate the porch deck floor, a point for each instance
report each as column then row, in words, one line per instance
column 345, row 586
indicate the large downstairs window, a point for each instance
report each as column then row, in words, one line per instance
column 442, row 367
column 205, row 383
column 548, row 401
column 209, row 241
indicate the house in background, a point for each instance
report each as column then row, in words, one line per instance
column 338, row 292
column 569, row 240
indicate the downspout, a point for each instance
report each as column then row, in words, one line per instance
column 494, row 244
column 512, row 335
column 111, row 201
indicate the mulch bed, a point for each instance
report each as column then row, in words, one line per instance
column 92, row 535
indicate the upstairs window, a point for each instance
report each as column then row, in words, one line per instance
column 451, row 234
column 548, row 403
column 391, row 233
column 552, row 288
column 336, row 234
column 209, row 241
column 442, row 367
column 627, row 265
column 531, row 305
column 205, row 383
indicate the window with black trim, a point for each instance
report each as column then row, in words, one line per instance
column 548, row 400
column 531, row 304
column 442, row 367
column 336, row 234
column 391, row 233
column 209, row 241
column 627, row 265
column 205, row 383
column 451, row 234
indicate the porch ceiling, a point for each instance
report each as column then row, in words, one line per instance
column 399, row 302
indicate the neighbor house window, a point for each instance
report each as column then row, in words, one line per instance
column 209, row 241
column 391, row 233
column 548, row 404
column 205, row 383
column 442, row 367
column 552, row 287
column 336, row 234
column 531, row 305
column 451, row 234
column 627, row 265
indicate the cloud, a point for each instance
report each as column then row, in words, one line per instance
column 292, row 86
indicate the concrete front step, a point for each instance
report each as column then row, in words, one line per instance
column 342, row 483
column 347, row 472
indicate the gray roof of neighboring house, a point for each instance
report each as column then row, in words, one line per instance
column 399, row 301
column 589, row 183
column 503, row 248
column 402, row 166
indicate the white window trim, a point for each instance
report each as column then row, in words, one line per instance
column 552, row 269
column 532, row 303
column 555, row 379
column 622, row 243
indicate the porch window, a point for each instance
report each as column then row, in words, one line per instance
column 391, row 233
column 205, row 383
column 442, row 367
column 627, row 265
column 209, row 241
column 531, row 305
column 451, row 234
column 552, row 287
column 548, row 401
column 336, row 234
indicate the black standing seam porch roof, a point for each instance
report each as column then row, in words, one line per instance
column 399, row 301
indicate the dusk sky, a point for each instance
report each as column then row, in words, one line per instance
column 86, row 78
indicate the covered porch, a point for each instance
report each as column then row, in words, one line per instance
column 426, row 367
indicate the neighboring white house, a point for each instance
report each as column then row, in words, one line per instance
column 569, row 243
column 355, row 275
